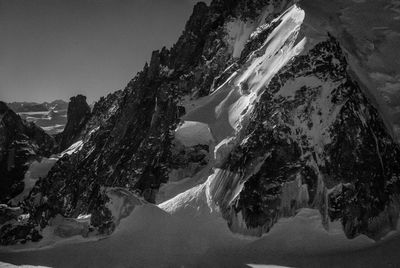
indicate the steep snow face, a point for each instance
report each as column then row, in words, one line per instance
column 225, row 108
column 369, row 31
column 276, row 51
column 75, row 147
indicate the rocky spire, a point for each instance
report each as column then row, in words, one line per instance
column 78, row 114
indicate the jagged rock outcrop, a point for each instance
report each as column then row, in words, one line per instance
column 78, row 115
column 20, row 143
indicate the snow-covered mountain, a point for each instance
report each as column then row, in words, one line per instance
column 268, row 118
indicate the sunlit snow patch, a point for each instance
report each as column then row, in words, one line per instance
column 193, row 133
column 73, row 148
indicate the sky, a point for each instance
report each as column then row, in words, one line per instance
column 55, row 49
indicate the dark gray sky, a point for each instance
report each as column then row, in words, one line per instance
column 52, row 49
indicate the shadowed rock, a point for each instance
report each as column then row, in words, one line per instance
column 78, row 115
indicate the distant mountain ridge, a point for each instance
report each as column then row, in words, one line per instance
column 20, row 107
column 50, row 116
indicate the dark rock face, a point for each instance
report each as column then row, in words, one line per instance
column 187, row 161
column 78, row 115
column 20, row 143
column 355, row 158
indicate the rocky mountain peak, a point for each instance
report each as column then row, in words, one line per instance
column 78, row 115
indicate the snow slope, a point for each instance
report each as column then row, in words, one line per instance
column 188, row 231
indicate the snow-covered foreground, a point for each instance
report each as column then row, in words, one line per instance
column 188, row 231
